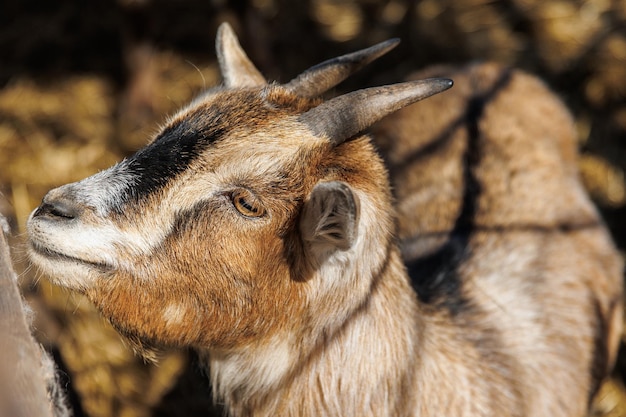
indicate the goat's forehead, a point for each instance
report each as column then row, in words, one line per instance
column 235, row 136
column 251, row 125
column 242, row 130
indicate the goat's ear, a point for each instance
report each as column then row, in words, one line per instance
column 236, row 68
column 330, row 217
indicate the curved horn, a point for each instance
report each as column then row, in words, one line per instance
column 343, row 117
column 322, row 77
column 236, row 68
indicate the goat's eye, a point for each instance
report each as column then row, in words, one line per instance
column 247, row 204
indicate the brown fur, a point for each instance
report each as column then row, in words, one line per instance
column 496, row 156
column 522, row 322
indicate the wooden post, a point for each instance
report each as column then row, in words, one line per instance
column 22, row 383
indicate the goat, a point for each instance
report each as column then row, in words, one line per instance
column 259, row 228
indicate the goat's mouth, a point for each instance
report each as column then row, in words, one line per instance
column 54, row 256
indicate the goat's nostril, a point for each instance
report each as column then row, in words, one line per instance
column 57, row 209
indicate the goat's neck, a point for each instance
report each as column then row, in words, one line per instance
column 360, row 367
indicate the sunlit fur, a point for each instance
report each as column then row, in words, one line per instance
column 495, row 171
column 522, row 320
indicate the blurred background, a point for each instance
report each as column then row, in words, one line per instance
column 83, row 84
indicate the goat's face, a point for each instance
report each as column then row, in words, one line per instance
column 191, row 229
column 248, row 214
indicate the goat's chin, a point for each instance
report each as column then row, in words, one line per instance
column 148, row 351
column 65, row 270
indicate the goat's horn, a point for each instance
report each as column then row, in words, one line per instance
column 236, row 68
column 322, row 77
column 343, row 117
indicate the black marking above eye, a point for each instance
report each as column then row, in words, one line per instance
column 171, row 153
column 247, row 203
